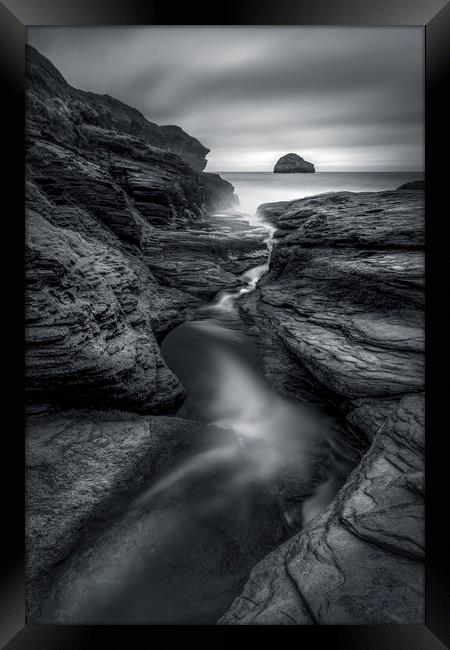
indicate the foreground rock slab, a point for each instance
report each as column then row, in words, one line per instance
column 361, row 562
column 112, row 538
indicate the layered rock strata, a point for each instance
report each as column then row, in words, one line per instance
column 344, row 296
column 120, row 245
column 362, row 560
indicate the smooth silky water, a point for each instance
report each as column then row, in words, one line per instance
column 217, row 364
column 269, row 474
column 214, row 358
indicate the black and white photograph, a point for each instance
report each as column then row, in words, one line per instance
column 224, row 325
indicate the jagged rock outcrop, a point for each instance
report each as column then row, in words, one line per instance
column 345, row 291
column 362, row 561
column 117, row 245
column 344, row 296
column 121, row 243
column 218, row 193
column 100, row 549
column 62, row 113
column 292, row 163
column 88, row 325
column 205, row 259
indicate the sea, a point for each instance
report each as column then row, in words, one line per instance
column 254, row 188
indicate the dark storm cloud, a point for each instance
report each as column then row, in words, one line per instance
column 345, row 98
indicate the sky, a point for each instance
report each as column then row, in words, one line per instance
column 346, row 99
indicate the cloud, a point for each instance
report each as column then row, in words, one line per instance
column 345, row 98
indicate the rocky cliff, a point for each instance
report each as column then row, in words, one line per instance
column 344, row 297
column 119, row 245
column 292, row 163
column 61, row 113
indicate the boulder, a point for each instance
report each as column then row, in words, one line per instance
column 292, row 163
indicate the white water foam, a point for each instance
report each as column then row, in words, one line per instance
column 226, row 300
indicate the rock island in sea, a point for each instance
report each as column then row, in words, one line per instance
column 292, row 163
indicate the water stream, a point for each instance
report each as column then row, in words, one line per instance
column 189, row 540
column 183, row 549
column 216, row 362
column 226, row 300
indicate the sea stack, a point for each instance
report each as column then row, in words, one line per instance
column 292, row 163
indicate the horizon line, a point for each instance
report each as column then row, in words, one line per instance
column 341, row 171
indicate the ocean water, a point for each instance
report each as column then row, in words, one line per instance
column 254, row 188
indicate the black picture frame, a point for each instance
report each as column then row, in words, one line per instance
column 434, row 16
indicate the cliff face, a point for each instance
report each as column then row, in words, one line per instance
column 120, row 246
column 344, row 296
column 63, row 114
column 111, row 201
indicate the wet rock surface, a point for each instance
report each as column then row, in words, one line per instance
column 345, row 291
column 362, row 560
column 99, row 548
column 119, row 245
column 344, row 296
column 122, row 244
column 206, row 258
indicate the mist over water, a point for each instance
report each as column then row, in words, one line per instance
column 222, row 509
column 282, row 444
column 217, row 364
column 277, row 437
column 281, row 441
column 254, row 188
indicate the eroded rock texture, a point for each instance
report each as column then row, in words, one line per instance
column 345, row 293
column 119, row 245
column 205, row 259
column 344, row 297
column 413, row 185
column 99, row 548
column 362, row 560
column 65, row 114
